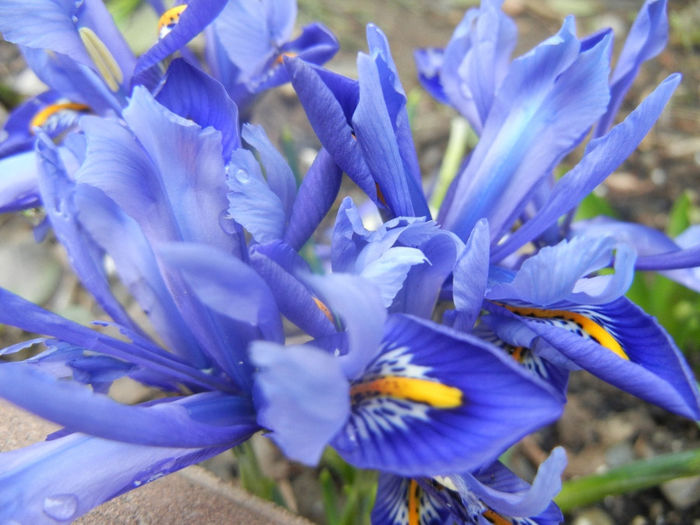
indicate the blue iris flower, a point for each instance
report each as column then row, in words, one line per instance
column 567, row 317
column 76, row 49
column 474, row 74
column 491, row 494
column 160, row 213
column 205, row 223
column 405, row 395
column 364, row 126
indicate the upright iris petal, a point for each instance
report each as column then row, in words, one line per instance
column 381, row 125
column 533, row 123
column 646, row 39
column 469, row 71
column 601, row 157
column 249, row 41
column 188, row 24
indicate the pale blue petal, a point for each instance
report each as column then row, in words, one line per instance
column 278, row 174
column 57, row 481
column 302, row 397
column 559, row 273
column 252, row 203
column 549, row 99
column 389, row 271
column 602, row 156
column 470, row 276
column 359, row 305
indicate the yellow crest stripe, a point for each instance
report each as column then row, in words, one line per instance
column 411, row 389
column 413, row 502
column 280, row 57
column 322, row 306
column 170, row 17
column 593, row 329
column 496, row 518
column 44, row 114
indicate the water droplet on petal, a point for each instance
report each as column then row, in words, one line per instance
column 74, row 19
column 61, row 507
column 243, row 176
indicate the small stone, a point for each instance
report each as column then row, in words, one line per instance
column 682, row 493
column 628, row 184
column 619, row 454
column 127, row 391
column 593, row 516
column 29, row 270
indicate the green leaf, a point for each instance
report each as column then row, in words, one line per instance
column 679, row 217
column 633, row 476
column 592, row 206
column 251, row 475
column 461, row 137
column 329, row 497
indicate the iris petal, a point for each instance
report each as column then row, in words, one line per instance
column 426, row 422
column 314, row 199
column 62, row 479
column 288, row 385
column 170, row 424
column 402, row 501
column 602, row 156
column 533, row 123
column 648, row 364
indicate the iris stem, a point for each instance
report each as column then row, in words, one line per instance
column 636, row 475
column 252, row 477
column 461, row 135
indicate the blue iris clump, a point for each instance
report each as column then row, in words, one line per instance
column 434, row 339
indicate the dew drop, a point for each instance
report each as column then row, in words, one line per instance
column 74, row 19
column 243, row 176
column 61, row 507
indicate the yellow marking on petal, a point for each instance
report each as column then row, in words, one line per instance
column 413, row 503
column 425, row 391
column 322, row 306
column 599, row 334
column 518, row 353
column 40, row 118
column 280, row 57
column 102, row 58
column 496, row 518
column 169, row 19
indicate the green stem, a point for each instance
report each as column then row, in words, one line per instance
column 252, row 477
column 460, row 137
column 633, row 476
